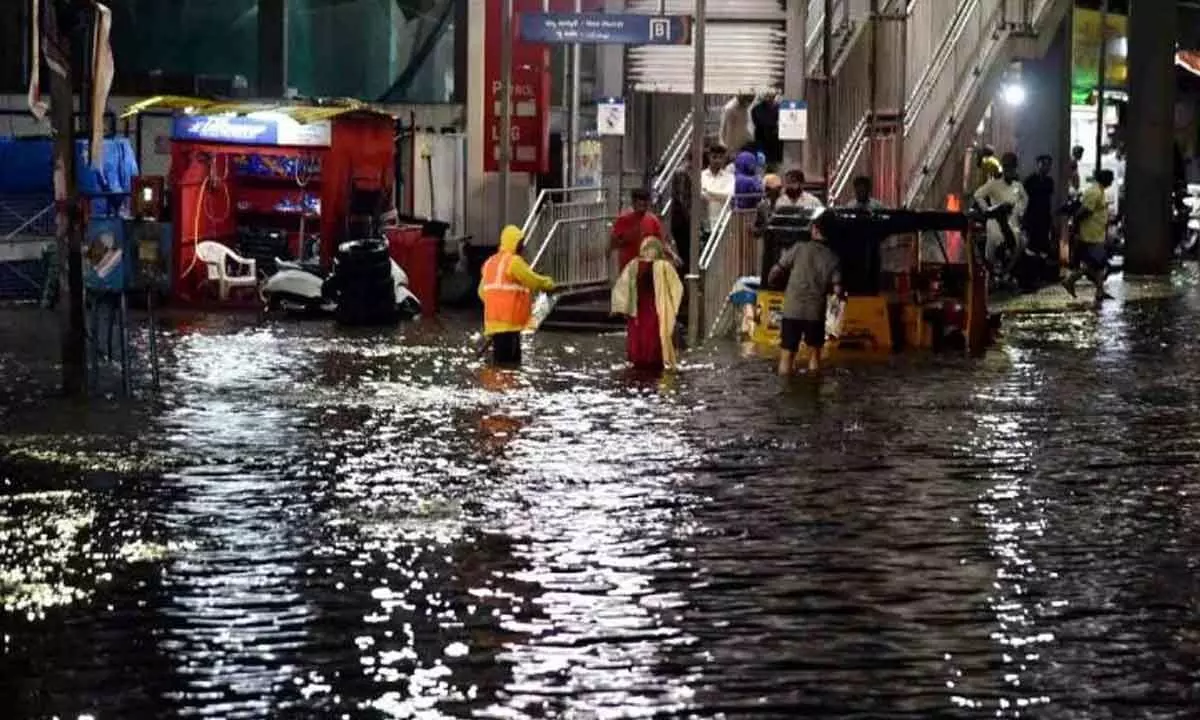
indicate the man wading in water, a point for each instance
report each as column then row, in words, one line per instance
column 812, row 271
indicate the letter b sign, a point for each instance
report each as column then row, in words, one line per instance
column 660, row 30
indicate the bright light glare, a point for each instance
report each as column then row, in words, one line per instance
column 1013, row 94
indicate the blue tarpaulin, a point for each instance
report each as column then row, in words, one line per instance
column 27, row 167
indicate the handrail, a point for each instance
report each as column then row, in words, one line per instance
column 558, row 224
column 919, row 93
column 543, row 200
column 714, row 236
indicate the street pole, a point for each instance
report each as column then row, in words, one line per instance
column 505, row 139
column 68, row 221
column 576, row 70
column 827, row 100
column 1102, row 72
column 873, row 84
column 68, row 227
column 698, row 205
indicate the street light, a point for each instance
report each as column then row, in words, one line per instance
column 1014, row 94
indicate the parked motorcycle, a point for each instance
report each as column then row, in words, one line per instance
column 308, row 289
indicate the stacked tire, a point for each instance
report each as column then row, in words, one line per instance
column 362, row 284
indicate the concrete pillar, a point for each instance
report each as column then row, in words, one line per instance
column 1150, row 137
column 1043, row 125
column 794, row 71
column 272, row 48
column 482, row 215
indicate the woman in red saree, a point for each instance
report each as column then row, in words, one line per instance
column 649, row 293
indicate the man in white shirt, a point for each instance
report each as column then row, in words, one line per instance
column 737, row 130
column 794, row 194
column 716, row 182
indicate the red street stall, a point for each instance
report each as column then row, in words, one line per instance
column 250, row 183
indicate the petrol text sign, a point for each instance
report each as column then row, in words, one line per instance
column 530, row 141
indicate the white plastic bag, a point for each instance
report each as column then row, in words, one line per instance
column 834, row 311
column 543, row 305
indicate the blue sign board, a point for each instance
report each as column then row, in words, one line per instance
column 605, row 29
column 248, row 130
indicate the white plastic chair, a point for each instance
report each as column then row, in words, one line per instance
column 218, row 258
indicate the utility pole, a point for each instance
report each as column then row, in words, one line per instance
column 66, row 19
column 1102, row 72
column 698, row 204
column 573, row 105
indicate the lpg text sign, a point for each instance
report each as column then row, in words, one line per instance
column 530, row 141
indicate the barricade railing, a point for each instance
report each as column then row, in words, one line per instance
column 554, row 204
column 26, row 216
column 576, row 251
column 731, row 252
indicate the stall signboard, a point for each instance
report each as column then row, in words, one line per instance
column 269, row 129
column 1090, row 31
column 604, row 28
column 530, row 111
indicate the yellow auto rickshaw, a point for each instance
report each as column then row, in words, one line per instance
column 913, row 280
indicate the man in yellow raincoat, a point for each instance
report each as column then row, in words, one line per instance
column 506, row 287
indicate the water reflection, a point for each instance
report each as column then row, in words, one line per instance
column 235, row 615
column 313, row 523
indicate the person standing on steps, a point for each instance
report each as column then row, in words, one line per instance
column 737, row 129
column 506, row 287
column 1092, row 218
column 635, row 225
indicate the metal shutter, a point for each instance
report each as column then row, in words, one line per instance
column 744, row 49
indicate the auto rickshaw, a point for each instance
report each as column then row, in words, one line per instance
column 913, row 279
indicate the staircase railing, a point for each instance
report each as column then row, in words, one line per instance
column 576, row 251
column 970, row 61
column 554, row 204
column 846, row 12
column 731, row 252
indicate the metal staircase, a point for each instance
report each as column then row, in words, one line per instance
column 847, row 15
column 986, row 36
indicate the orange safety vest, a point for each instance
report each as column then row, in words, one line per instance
column 505, row 301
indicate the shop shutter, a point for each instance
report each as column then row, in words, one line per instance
column 744, row 49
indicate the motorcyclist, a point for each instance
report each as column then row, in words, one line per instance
column 1003, row 199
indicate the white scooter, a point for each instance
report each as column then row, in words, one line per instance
column 299, row 288
column 1192, row 238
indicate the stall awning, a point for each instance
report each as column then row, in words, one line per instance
column 302, row 114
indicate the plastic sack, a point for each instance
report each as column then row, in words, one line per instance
column 543, row 305
column 835, row 310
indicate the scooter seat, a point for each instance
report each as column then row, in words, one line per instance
column 311, row 268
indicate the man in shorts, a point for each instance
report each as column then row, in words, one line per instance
column 1092, row 219
column 812, row 271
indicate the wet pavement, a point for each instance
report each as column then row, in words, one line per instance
column 307, row 523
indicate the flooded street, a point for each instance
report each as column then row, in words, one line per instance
column 309, row 523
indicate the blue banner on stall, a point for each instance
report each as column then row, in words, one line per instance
column 251, row 130
column 605, row 29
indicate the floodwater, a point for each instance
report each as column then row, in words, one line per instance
column 307, row 523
